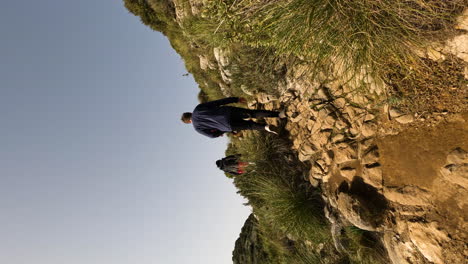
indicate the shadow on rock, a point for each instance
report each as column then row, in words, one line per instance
column 361, row 204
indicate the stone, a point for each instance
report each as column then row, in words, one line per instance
column 462, row 21
column 316, row 128
column 371, row 157
column 359, row 99
column 324, row 165
column 405, row 119
column 368, row 130
column 337, row 138
column 310, row 124
column 348, row 173
column 203, row 62
column 355, row 212
column 408, row 195
column 307, row 149
column 323, row 113
column 353, row 131
column 457, row 156
column 373, row 176
column 316, row 171
column 321, row 94
column 302, row 157
column 314, row 182
column 393, row 112
column 428, row 238
column 323, row 137
column 435, row 55
column 246, row 90
column 458, row 46
column 297, row 118
column 225, row 90
column 369, row 117
column 264, row 98
column 340, row 125
column 399, row 252
column 344, row 154
column 328, row 123
column 221, row 56
column 297, row 143
column 339, row 103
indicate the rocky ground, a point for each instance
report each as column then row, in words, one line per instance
column 399, row 173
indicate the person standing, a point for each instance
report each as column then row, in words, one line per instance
column 233, row 165
column 213, row 119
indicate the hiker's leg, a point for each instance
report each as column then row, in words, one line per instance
column 238, row 125
column 262, row 113
column 239, row 114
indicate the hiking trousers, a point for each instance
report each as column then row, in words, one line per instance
column 239, row 114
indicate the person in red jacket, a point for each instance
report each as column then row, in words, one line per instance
column 213, row 119
column 233, row 165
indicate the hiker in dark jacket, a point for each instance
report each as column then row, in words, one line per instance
column 213, row 119
column 232, row 164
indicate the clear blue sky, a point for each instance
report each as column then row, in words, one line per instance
column 95, row 165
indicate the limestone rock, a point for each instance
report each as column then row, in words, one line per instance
column 393, row 112
column 405, row 119
column 462, row 21
column 348, row 173
column 373, row 176
column 368, row 129
column 371, row 156
column 344, row 153
column 264, row 98
column 221, row 56
column 339, row 103
column 355, row 212
column 428, row 238
column 458, row 46
column 246, row 90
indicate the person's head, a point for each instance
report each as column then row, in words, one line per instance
column 186, row 118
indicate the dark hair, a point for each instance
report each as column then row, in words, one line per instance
column 186, row 117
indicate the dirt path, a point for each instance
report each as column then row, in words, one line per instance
column 425, row 175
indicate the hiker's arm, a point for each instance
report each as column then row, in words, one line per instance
column 214, row 133
column 223, row 101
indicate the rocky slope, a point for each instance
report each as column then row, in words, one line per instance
column 395, row 171
column 401, row 174
column 250, row 246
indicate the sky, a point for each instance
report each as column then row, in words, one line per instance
column 95, row 165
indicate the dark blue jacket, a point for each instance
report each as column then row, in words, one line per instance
column 212, row 119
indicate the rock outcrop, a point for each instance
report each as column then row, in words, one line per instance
column 249, row 248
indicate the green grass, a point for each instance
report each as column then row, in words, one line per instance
column 275, row 188
column 350, row 34
column 286, row 206
column 363, row 247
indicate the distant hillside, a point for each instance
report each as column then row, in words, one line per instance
column 249, row 248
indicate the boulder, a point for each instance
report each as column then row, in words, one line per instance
column 355, row 212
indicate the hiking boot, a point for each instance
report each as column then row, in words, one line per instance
column 269, row 129
column 247, row 117
column 282, row 114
